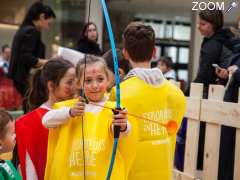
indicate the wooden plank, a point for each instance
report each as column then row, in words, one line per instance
column 216, row 92
column 211, row 152
column 237, row 156
column 199, row 174
column 178, row 175
column 196, row 90
column 192, row 135
column 223, row 113
column 193, row 108
column 191, row 146
column 212, row 139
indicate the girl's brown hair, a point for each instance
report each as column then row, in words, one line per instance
column 89, row 59
column 5, row 118
column 53, row 70
column 139, row 41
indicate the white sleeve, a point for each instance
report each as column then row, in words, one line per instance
column 56, row 117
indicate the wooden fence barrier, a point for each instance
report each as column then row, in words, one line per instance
column 215, row 113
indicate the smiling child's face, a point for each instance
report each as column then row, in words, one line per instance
column 96, row 82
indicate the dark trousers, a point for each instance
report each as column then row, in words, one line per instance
column 226, row 153
column 22, row 89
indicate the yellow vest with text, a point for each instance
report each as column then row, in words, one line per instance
column 155, row 148
column 65, row 147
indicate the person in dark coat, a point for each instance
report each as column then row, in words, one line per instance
column 88, row 41
column 212, row 48
column 28, row 50
column 212, row 51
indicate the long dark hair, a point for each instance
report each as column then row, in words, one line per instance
column 35, row 11
column 84, row 30
column 53, row 71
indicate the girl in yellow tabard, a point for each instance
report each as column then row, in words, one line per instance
column 81, row 136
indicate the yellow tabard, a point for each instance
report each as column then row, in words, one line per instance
column 155, row 148
column 65, row 147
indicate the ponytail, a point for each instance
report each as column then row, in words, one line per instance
column 53, row 71
column 38, row 93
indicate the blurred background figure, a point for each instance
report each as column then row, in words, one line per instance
column 165, row 64
column 88, row 42
column 28, row 50
column 10, row 99
column 5, row 58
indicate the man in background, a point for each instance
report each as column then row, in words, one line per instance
column 4, row 58
column 165, row 64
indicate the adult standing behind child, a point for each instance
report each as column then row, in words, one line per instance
column 212, row 49
column 147, row 94
column 28, row 50
column 7, row 142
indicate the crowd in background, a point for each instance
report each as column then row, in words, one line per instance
column 219, row 63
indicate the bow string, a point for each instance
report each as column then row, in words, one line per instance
column 117, row 79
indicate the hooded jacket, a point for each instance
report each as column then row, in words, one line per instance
column 213, row 51
column 146, row 93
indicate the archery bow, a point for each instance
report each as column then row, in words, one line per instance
column 117, row 78
column 83, row 95
column 171, row 126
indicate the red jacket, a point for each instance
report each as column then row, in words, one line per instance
column 32, row 138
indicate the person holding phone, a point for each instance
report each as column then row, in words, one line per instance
column 224, row 73
column 211, row 27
